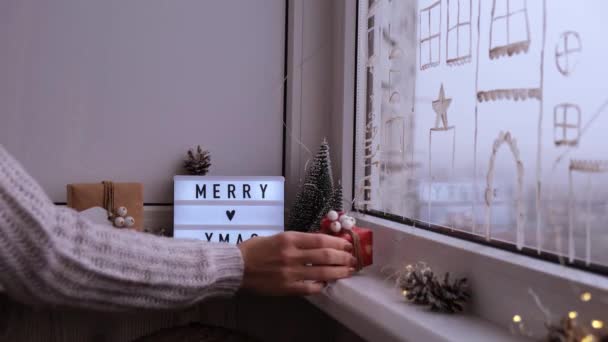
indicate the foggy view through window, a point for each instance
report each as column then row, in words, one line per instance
column 487, row 117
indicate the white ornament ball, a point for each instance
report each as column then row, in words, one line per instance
column 121, row 211
column 343, row 218
column 348, row 223
column 129, row 221
column 346, row 218
column 119, row 222
column 335, row 227
column 332, row 215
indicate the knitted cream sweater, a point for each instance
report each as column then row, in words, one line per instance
column 51, row 256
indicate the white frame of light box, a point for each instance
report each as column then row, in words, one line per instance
column 222, row 213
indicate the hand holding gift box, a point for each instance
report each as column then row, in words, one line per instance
column 343, row 226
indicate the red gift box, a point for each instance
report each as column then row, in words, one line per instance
column 365, row 246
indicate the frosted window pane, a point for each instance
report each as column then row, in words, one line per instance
column 435, row 20
column 435, row 49
column 425, row 56
column 424, row 25
column 518, row 28
column 516, row 5
column 465, row 11
column 499, row 33
column 452, row 41
column 464, row 40
column 452, row 13
column 500, row 8
column 506, row 145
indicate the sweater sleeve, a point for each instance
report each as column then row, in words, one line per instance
column 52, row 256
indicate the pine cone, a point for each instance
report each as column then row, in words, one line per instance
column 198, row 163
column 566, row 331
column 420, row 286
column 415, row 283
column 448, row 297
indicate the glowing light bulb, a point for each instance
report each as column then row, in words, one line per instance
column 572, row 314
column 586, row 296
column 516, row 318
column 588, row 338
column 404, row 293
column 597, row 324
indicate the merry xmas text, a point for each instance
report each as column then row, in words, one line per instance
column 226, row 237
column 244, row 192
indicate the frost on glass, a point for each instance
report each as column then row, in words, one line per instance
column 488, row 117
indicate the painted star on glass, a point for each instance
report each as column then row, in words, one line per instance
column 440, row 106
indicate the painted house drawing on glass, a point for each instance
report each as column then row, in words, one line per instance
column 475, row 111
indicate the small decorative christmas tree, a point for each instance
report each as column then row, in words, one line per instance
column 315, row 194
column 337, row 203
column 303, row 211
column 316, row 225
column 198, row 163
column 334, row 203
column 324, row 181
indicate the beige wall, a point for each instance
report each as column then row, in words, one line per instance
column 95, row 90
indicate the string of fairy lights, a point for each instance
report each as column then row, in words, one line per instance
column 593, row 328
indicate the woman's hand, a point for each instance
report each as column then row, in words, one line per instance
column 295, row 263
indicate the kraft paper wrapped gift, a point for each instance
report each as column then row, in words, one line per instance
column 83, row 196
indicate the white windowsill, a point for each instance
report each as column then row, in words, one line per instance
column 502, row 285
column 373, row 309
column 518, row 260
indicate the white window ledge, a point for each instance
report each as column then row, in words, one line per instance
column 373, row 309
column 503, row 284
column 399, row 233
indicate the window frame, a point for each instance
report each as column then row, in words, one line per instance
column 430, row 37
column 565, row 37
column 561, row 114
column 500, row 279
column 511, row 46
column 459, row 58
column 578, row 263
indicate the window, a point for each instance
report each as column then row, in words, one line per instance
column 393, row 129
column 430, row 35
column 567, row 51
column 509, row 30
column 458, row 49
column 567, row 123
column 510, row 174
column 585, row 206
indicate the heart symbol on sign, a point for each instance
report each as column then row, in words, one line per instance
column 230, row 214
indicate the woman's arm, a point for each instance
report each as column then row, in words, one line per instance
column 51, row 255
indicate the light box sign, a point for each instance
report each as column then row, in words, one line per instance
column 227, row 209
